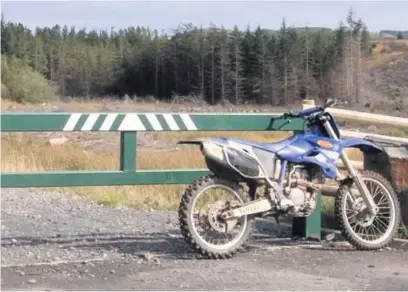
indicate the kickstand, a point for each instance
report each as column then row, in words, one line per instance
column 276, row 218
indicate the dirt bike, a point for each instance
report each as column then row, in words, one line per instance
column 291, row 173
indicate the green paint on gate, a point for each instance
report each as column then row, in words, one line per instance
column 128, row 175
column 309, row 227
column 247, row 123
column 99, row 122
column 180, row 123
column 163, row 122
column 117, row 122
column 128, row 151
column 80, row 123
column 101, row 178
column 11, row 122
column 146, row 123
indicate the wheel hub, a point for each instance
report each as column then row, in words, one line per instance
column 215, row 220
column 363, row 216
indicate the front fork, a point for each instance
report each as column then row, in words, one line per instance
column 361, row 186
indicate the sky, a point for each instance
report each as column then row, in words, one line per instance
column 166, row 15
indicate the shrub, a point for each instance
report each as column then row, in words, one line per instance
column 22, row 84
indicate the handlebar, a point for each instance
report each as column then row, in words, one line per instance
column 313, row 110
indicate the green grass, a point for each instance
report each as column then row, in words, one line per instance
column 403, row 233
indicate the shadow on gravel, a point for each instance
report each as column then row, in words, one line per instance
column 165, row 244
column 337, row 246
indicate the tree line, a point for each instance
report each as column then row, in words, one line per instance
column 214, row 64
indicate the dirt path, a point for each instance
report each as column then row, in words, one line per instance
column 57, row 241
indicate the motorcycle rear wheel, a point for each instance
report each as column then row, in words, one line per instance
column 187, row 214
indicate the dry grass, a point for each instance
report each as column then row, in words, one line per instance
column 106, row 104
column 377, row 60
column 385, row 52
column 21, row 154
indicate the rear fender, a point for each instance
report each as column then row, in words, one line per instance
column 204, row 143
column 193, row 142
column 200, row 141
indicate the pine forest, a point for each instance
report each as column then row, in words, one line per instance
column 214, row 64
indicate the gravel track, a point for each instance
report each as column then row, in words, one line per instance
column 56, row 241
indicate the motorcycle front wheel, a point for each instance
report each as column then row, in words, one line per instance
column 364, row 231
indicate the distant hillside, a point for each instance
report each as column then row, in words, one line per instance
column 393, row 33
column 385, row 85
column 313, row 29
column 302, row 29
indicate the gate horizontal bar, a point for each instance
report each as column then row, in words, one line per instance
column 114, row 122
column 100, row 178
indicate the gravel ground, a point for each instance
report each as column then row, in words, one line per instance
column 55, row 241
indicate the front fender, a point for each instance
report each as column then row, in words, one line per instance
column 364, row 145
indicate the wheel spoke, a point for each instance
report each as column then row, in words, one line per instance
column 382, row 224
column 375, row 228
column 382, row 200
column 375, row 191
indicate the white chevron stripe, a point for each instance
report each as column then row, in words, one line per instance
column 90, row 121
column 131, row 122
column 171, row 122
column 188, row 122
column 154, row 122
column 72, row 121
column 108, row 122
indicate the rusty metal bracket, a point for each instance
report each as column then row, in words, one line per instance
column 393, row 164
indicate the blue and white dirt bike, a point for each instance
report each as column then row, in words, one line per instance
column 217, row 211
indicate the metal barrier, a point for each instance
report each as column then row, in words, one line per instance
column 128, row 124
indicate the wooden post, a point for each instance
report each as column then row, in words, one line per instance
column 308, row 103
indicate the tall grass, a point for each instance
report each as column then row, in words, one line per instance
column 20, row 153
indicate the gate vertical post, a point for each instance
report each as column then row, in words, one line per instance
column 309, row 227
column 128, row 151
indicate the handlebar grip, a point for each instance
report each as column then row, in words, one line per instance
column 300, row 114
column 307, row 111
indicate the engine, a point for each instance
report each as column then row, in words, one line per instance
column 301, row 188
